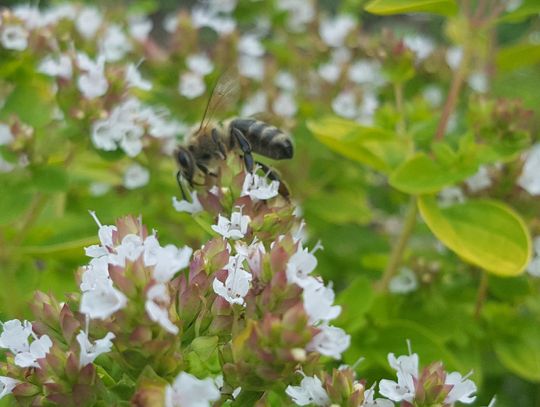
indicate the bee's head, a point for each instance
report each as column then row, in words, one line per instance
column 186, row 162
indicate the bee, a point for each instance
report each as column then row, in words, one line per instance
column 213, row 140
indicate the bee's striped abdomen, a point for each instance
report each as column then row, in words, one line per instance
column 265, row 139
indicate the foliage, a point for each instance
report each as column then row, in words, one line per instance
column 415, row 164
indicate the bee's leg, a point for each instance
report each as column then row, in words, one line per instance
column 205, row 170
column 274, row 176
column 219, row 143
column 268, row 171
column 179, row 180
column 245, row 147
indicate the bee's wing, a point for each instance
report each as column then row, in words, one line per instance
column 224, row 95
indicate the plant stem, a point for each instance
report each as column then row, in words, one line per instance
column 31, row 216
column 398, row 92
column 481, row 295
column 452, row 99
column 397, row 251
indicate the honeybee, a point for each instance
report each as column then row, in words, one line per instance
column 213, row 140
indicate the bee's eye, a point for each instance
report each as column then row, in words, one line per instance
column 206, row 156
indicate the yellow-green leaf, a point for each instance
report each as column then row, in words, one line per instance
column 517, row 56
column 388, row 7
column 485, row 233
column 422, row 175
column 377, row 148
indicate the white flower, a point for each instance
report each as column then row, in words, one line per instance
column 88, row 22
column 236, row 285
column 5, row 166
column 167, row 261
column 513, row 5
column 136, row 176
column 529, row 179
column 99, row 299
column 222, row 6
column 333, row 31
column 300, row 266
column 370, row 401
column 345, row 105
column 60, row 12
column 300, row 13
column 39, row 348
column 92, row 83
column 188, row 391
column 421, row 45
column 405, row 363
column 450, row 196
column 235, row 228
column 185, row 206
column 318, row 301
column 403, row 283
column 534, row 267
column 251, row 67
column 115, row 44
column 285, row 80
column 99, row 188
column 478, row 81
column 433, row 94
column 250, row 44
column 406, row 367
column 15, row 335
column 14, row 37
column 330, row 71
column 31, row 15
column 309, row 392
column 7, row 384
column 103, row 135
column 131, row 249
column 480, row 180
column 102, row 302
column 139, row 27
column 462, row 389
column 170, row 23
column 204, row 17
column 134, row 78
column 367, row 108
column 200, row 64
column 454, row 56
column 156, row 305
column 96, row 274
column 285, row 105
column 366, row 72
column 402, row 390
column 258, row 188
column 191, row 85
column 60, row 66
column 256, row 103
column 253, row 253
column 331, row 341
column 89, row 351
column 6, row 136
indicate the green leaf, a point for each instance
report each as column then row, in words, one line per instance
column 517, row 56
column 422, row 175
column 341, row 207
column 50, row 179
column 374, row 147
column 356, row 301
column 527, row 9
column 389, row 7
column 32, row 102
column 15, row 200
column 485, row 233
column 520, row 353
